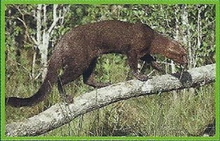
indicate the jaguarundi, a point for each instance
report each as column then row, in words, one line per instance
column 77, row 51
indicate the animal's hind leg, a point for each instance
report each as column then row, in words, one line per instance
column 64, row 79
column 70, row 73
column 88, row 76
column 62, row 92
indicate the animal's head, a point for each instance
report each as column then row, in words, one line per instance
column 170, row 49
column 176, row 52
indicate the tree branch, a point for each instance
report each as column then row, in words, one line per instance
column 61, row 113
column 55, row 18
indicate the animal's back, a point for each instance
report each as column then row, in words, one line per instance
column 106, row 37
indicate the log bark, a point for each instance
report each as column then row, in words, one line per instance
column 61, row 113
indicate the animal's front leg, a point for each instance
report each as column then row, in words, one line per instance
column 133, row 63
column 156, row 66
column 152, row 61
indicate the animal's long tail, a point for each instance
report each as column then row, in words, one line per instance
column 41, row 94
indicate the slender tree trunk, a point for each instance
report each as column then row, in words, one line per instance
column 176, row 37
column 186, row 38
column 199, row 37
column 43, row 36
column 187, row 41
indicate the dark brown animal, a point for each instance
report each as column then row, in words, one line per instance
column 77, row 52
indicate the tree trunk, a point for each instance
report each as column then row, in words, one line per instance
column 43, row 36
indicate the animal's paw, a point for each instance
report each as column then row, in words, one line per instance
column 100, row 85
column 68, row 99
column 141, row 77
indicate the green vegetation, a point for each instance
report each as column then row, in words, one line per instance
column 179, row 113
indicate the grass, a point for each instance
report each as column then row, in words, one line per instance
column 180, row 113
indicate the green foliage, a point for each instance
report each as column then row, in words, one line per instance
column 159, row 115
column 108, row 66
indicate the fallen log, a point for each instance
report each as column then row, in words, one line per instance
column 62, row 113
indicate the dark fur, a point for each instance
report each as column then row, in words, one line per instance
column 77, row 52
